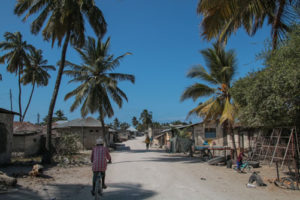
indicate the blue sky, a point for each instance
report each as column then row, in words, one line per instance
column 164, row 38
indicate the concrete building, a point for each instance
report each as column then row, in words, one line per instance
column 6, row 135
column 132, row 132
column 210, row 135
column 88, row 130
column 27, row 138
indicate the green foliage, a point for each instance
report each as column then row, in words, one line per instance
column 221, row 67
column 222, row 18
column 68, row 144
column 182, row 133
column 59, row 116
column 97, row 78
column 63, row 17
column 271, row 97
column 135, row 122
column 36, row 71
column 140, row 127
column 124, row 126
column 16, row 56
column 156, row 125
column 116, row 124
column 146, row 118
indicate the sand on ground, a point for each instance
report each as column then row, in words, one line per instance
column 154, row 174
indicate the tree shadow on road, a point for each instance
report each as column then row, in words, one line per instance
column 123, row 147
column 176, row 158
column 146, row 151
column 20, row 193
column 126, row 191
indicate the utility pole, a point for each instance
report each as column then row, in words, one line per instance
column 10, row 95
column 38, row 118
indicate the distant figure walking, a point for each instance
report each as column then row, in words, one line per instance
column 147, row 141
column 151, row 141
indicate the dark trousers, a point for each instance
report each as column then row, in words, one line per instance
column 95, row 174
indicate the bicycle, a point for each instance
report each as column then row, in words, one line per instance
column 244, row 166
column 98, row 186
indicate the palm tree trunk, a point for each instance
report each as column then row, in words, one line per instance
column 276, row 23
column 103, row 128
column 47, row 157
column 230, row 130
column 33, row 86
column 20, row 93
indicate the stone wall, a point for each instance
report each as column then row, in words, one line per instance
column 6, row 130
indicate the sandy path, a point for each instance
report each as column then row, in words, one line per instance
column 139, row 174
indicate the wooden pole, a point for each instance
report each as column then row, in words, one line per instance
column 274, row 153
column 11, row 105
column 286, row 150
column 277, row 171
column 269, row 145
column 296, row 158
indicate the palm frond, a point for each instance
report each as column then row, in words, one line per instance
column 197, row 90
column 199, row 71
column 229, row 113
column 122, row 77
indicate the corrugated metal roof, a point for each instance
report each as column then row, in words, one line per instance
column 180, row 127
column 88, row 122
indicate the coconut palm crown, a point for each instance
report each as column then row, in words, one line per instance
column 36, row 73
column 16, row 57
column 64, row 17
column 221, row 18
column 97, row 79
column 65, row 20
column 221, row 67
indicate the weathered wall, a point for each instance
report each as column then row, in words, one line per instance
column 199, row 134
column 6, row 130
column 87, row 136
column 29, row 144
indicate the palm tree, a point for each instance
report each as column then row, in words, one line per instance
column 135, row 122
column 16, row 57
column 65, row 20
column 60, row 115
column 116, row 123
column 36, row 73
column 98, row 83
column 222, row 18
column 146, row 118
column 221, row 67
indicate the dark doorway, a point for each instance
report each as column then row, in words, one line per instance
column 3, row 138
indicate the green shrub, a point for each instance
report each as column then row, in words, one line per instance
column 67, row 144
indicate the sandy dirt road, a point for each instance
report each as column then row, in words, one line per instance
column 139, row 174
